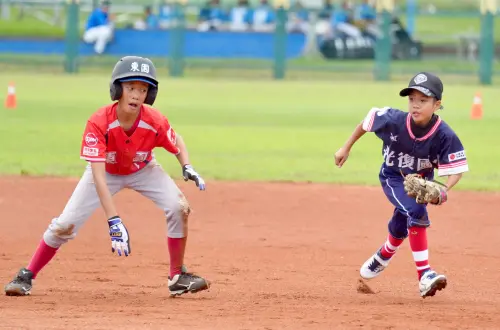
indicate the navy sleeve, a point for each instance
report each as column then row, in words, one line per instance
column 378, row 118
column 452, row 159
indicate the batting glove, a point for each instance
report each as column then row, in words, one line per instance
column 189, row 173
column 119, row 236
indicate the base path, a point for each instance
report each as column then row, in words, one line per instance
column 279, row 255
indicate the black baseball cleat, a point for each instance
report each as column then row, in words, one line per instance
column 186, row 282
column 21, row 285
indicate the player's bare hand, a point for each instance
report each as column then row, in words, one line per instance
column 341, row 156
column 189, row 173
column 119, row 236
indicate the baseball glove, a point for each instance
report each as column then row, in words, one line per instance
column 425, row 191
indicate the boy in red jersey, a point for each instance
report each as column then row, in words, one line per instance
column 118, row 145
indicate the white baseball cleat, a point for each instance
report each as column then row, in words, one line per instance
column 373, row 266
column 430, row 282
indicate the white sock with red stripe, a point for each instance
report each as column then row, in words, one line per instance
column 390, row 247
column 418, row 244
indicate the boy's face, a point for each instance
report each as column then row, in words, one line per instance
column 133, row 96
column 422, row 107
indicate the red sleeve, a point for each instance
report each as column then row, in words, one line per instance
column 93, row 144
column 167, row 137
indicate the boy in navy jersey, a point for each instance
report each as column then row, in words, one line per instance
column 417, row 141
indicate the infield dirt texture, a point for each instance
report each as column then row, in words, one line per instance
column 279, row 255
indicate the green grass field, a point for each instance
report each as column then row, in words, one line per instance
column 238, row 130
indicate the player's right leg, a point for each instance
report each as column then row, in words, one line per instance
column 380, row 260
column 155, row 184
column 397, row 231
column 83, row 202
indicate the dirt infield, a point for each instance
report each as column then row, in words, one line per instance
column 280, row 256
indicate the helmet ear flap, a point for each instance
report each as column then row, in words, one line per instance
column 151, row 96
column 115, row 91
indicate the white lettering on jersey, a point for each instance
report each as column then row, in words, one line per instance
column 111, row 157
column 92, row 152
column 91, row 140
column 423, row 164
column 140, row 156
column 405, row 161
column 388, row 155
column 456, row 156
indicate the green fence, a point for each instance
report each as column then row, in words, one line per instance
column 458, row 39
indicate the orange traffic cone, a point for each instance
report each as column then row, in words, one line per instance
column 477, row 107
column 10, row 102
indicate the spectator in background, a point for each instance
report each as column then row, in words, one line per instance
column 240, row 16
column 299, row 18
column 323, row 25
column 327, row 10
column 263, row 17
column 366, row 17
column 342, row 22
column 366, row 11
column 99, row 28
column 149, row 20
column 212, row 17
column 165, row 14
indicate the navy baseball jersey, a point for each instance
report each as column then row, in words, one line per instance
column 439, row 149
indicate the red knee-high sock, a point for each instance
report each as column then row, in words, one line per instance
column 418, row 244
column 391, row 245
column 176, row 248
column 42, row 256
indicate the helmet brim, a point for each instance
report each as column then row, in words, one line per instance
column 138, row 79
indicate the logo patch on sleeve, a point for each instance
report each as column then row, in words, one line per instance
column 93, row 152
column 91, row 140
column 456, row 156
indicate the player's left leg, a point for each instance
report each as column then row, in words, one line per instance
column 156, row 185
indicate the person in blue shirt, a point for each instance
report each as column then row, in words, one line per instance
column 212, row 17
column 366, row 12
column 99, row 28
column 298, row 20
column 326, row 11
column 263, row 17
column 149, row 21
column 416, row 141
column 366, row 19
column 342, row 22
column 240, row 16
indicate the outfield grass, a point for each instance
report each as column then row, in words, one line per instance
column 237, row 130
column 314, row 67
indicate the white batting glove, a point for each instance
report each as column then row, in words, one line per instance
column 189, row 173
column 119, row 236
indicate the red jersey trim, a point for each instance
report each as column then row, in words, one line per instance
column 457, row 164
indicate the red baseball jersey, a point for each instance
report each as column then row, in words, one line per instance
column 125, row 153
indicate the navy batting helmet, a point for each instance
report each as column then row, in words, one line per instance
column 134, row 68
